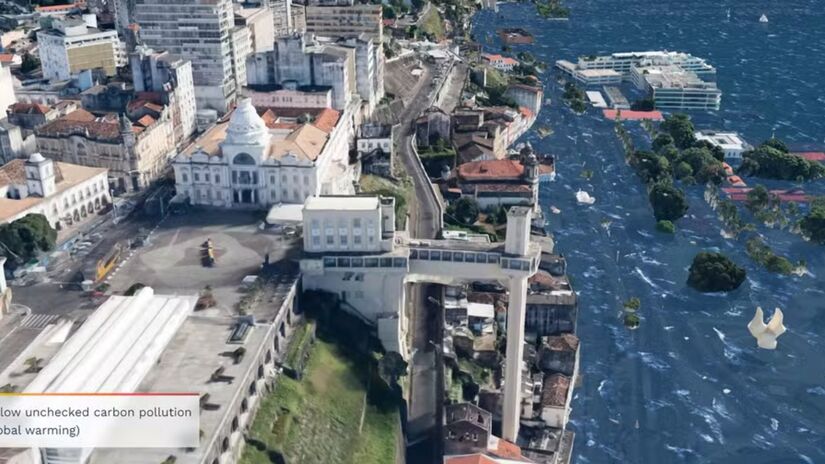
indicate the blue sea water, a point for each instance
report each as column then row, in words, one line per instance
column 691, row 375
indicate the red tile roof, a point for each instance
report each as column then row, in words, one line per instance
column 554, row 392
column 85, row 124
column 505, row 449
column 630, row 115
column 322, row 118
column 29, row 108
column 51, row 8
column 146, row 121
column 6, row 57
column 469, row 459
column 812, row 155
column 793, row 195
column 488, row 170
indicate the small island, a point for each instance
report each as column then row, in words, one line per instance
column 552, row 9
column 715, row 272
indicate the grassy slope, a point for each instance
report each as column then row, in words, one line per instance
column 433, row 24
column 316, row 420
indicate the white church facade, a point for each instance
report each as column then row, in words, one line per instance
column 249, row 162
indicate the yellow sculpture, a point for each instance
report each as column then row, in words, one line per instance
column 766, row 334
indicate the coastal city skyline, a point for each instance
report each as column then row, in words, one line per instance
column 340, row 231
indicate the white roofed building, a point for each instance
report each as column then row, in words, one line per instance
column 284, row 155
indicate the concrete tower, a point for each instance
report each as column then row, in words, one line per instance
column 517, row 243
column 40, row 175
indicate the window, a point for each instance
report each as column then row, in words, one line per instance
column 356, row 240
column 272, row 179
column 343, row 240
column 206, row 177
column 356, row 222
column 330, row 240
column 197, row 176
column 243, row 159
column 316, row 240
column 217, row 178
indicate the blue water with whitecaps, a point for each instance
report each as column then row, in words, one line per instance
column 691, row 375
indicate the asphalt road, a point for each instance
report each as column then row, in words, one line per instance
column 426, row 383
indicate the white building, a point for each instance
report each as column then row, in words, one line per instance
column 499, row 62
column 353, row 251
column 113, row 351
column 241, row 48
column 243, row 162
column 72, row 45
column 64, row 193
column 300, row 60
column 172, row 77
column 202, row 32
column 289, row 96
column 260, row 24
column 614, row 68
column 730, row 142
column 675, row 88
column 281, row 16
column 7, row 97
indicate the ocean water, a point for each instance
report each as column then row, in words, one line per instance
column 691, row 376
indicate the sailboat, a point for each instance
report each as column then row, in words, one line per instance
column 728, row 14
column 763, row 18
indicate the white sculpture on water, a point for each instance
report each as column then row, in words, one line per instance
column 766, row 334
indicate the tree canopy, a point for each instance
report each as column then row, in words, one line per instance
column 650, row 166
column 715, row 272
column 772, row 163
column 813, row 224
column 661, row 141
column 24, row 238
column 465, row 210
column 680, row 128
column 668, row 202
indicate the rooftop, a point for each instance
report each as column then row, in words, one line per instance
column 725, row 140
column 488, row 170
column 563, row 342
column 342, row 203
column 116, row 346
column 554, row 392
column 66, row 176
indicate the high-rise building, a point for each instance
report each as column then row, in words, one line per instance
column 198, row 30
column 171, row 77
column 299, row 60
column 281, row 16
column 259, row 21
column 344, row 18
column 73, row 45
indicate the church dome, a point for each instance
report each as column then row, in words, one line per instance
column 245, row 126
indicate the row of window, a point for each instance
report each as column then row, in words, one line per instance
column 242, row 178
column 454, row 256
column 354, row 261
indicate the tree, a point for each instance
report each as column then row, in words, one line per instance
column 661, row 141
column 771, row 163
column 29, row 63
column 497, row 216
column 668, row 202
column 776, row 144
column 714, row 272
column 418, row 4
column 465, row 210
column 706, row 168
column 681, row 129
column 650, row 167
column 389, row 12
column 633, row 304
column 24, row 238
column 665, row 226
column 813, row 224
column 391, row 366
column 714, row 150
column 758, row 198
column 682, row 170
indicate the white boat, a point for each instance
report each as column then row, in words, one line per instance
column 584, row 198
column 728, row 14
column 763, row 18
column 554, row 210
